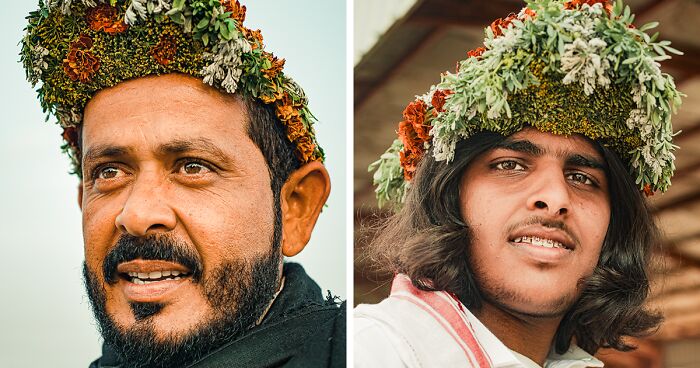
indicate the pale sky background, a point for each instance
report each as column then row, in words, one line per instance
column 44, row 314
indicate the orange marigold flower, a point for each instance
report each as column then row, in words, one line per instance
column 275, row 68
column 415, row 114
column 287, row 109
column 165, row 50
column 295, row 128
column 500, row 24
column 105, row 18
column 408, row 135
column 438, row 100
column 306, row 149
column 648, row 191
column 409, row 158
column 413, row 133
column 255, row 37
column 237, row 10
column 413, row 149
column 80, row 64
column 476, row 52
column 285, row 112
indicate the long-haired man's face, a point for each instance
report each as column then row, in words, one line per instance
column 178, row 214
column 538, row 210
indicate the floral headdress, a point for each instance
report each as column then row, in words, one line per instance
column 78, row 47
column 574, row 67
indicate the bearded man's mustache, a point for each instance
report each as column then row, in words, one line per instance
column 155, row 247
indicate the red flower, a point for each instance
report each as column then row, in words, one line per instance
column 500, row 24
column 409, row 158
column 80, row 64
column 438, row 100
column 476, row 52
column 408, row 135
column 414, row 133
column 415, row 114
column 528, row 13
column 165, row 50
column 648, row 191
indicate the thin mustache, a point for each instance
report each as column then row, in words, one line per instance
column 545, row 222
column 129, row 248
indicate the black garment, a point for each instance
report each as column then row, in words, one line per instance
column 301, row 329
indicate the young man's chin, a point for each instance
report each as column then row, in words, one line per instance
column 544, row 306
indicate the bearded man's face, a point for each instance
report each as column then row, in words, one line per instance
column 181, row 229
column 538, row 209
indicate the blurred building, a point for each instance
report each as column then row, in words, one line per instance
column 401, row 46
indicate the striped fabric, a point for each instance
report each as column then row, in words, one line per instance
column 449, row 313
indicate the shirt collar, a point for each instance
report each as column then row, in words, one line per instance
column 502, row 357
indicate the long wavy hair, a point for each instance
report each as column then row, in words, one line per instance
column 428, row 240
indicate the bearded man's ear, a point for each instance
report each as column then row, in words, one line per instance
column 302, row 198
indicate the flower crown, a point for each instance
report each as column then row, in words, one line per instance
column 574, row 67
column 78, row 47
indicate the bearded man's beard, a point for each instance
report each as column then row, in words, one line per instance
column 238, row 292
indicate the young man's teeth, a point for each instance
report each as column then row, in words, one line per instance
column 141, row 278
column 547, row 243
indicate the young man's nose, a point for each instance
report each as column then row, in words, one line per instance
column 550, row 192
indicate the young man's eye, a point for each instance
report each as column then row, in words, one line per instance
column 581, row 178
column 509, row 165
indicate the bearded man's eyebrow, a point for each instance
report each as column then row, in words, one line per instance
column 181, row 146
column 523, row 146
column 100, row 151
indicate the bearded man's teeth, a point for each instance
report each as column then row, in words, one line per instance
column 142, row 278
column 547, row 243
column 138, row 281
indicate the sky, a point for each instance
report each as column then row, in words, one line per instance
column 44, row 314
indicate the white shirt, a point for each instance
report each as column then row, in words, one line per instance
column 415, row 328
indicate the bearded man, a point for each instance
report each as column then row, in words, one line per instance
column 199, row 171
column 523, row 237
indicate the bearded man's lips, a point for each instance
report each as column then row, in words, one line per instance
column 150, row 281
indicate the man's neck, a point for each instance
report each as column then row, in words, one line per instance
column 529, row 336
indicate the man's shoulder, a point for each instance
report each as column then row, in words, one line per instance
column 302, row 329
column 313, row 336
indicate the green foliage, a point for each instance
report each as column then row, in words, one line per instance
column 566, row 72
column 388, row 176
column 192, row 38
